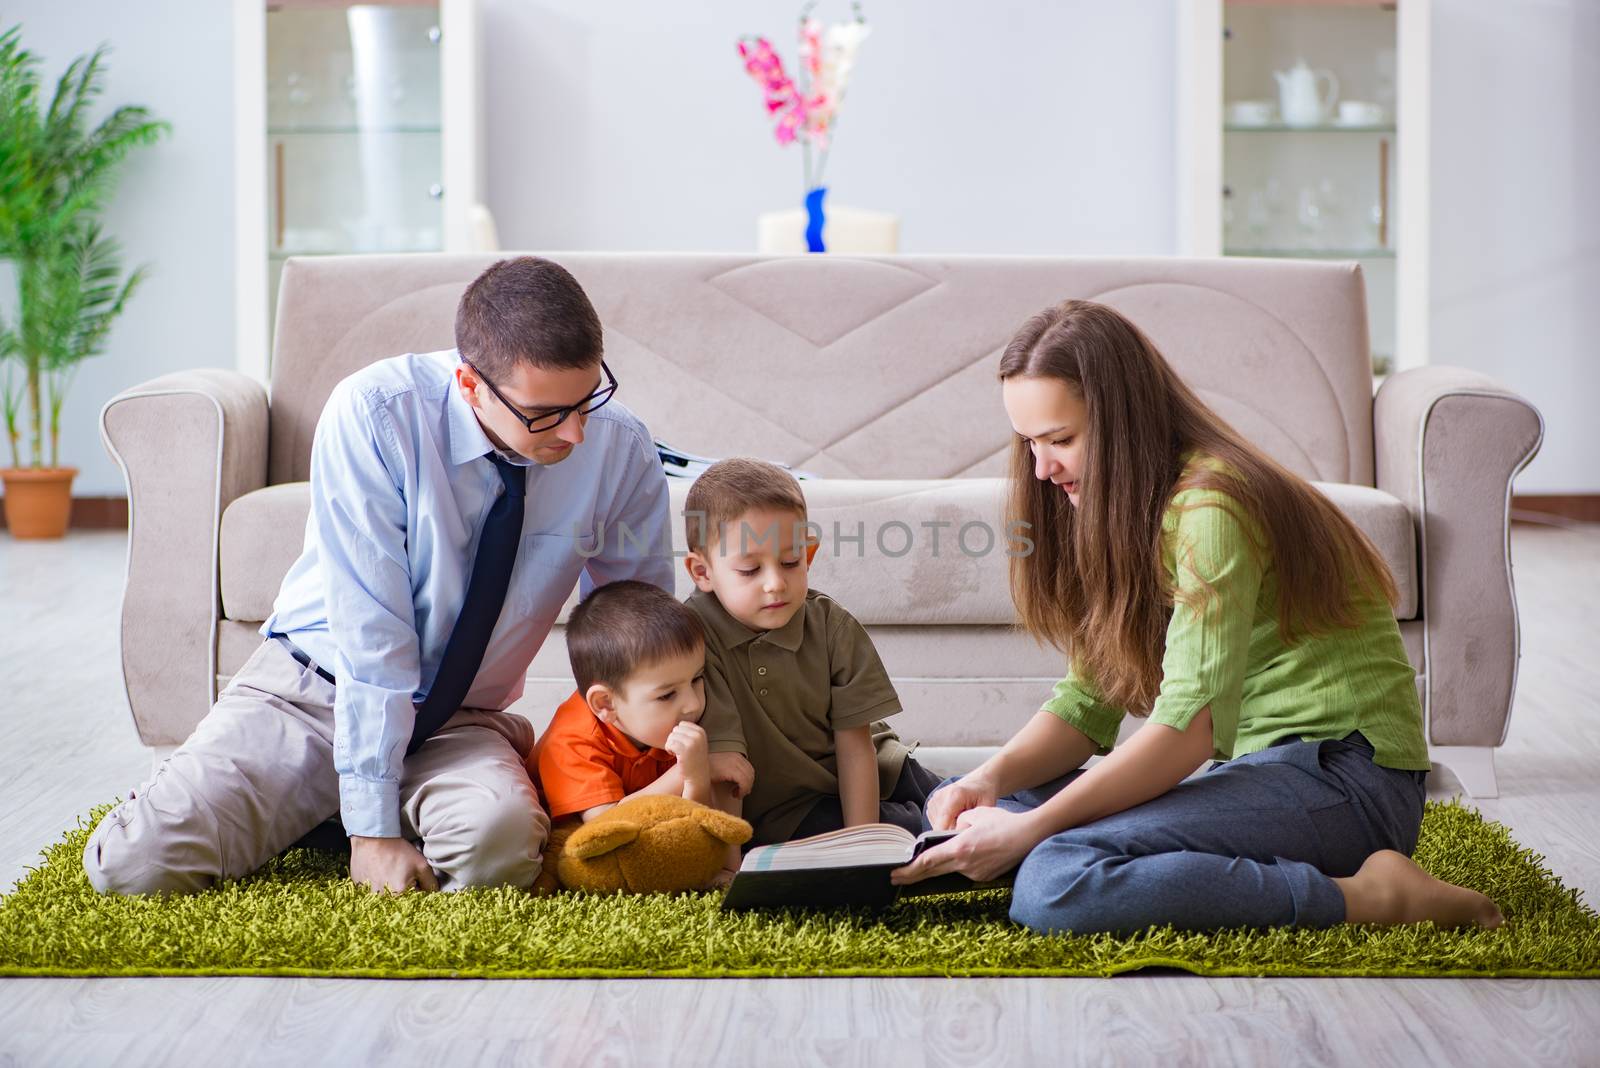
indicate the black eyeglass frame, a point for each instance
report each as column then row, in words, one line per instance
column 550, row 420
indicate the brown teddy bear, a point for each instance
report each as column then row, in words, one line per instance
column 643, row 845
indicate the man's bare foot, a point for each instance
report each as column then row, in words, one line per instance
column 1392, row 888
column 722, row 880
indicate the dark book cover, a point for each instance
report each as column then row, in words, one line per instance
column 856, row 885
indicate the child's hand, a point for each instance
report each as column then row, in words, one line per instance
column 735, row 770
column 946, row 804
column 687, row 742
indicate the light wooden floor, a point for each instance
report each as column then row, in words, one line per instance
column 69, row 743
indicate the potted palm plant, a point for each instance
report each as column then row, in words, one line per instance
column 56, row 172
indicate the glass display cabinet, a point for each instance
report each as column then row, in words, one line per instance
column 372, row 130
column 1303, row 134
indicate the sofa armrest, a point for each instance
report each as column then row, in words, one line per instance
column 188, row 444
column 1448, row 443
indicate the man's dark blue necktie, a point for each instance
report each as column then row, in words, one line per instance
column 486, row 595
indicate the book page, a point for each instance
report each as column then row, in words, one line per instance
column 871, row 843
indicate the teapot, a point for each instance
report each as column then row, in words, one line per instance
column 1299, row 102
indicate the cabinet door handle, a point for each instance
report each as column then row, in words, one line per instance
column 1383, row 192
column 277, row 164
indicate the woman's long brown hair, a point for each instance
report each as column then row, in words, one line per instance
column 1094, row 585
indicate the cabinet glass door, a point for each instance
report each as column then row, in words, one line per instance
column 353, row 131
column 1310, row 142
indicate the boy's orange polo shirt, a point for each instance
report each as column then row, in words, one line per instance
column 581, row 762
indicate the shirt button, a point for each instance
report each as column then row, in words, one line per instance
column 761, row 693
column 761, row 671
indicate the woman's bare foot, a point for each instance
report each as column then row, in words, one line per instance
column 722, row 880
column 1391, row 888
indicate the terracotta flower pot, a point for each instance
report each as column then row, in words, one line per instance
column 38, row 500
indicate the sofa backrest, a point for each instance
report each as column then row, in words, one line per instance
column 865, row 367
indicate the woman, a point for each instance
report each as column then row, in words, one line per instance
column 1198, row 583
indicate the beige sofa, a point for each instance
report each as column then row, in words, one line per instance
column 878, row 376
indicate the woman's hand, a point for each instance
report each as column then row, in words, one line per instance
column 992, row 842
column 949, row 802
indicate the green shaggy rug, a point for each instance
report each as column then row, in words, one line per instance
column 301, row 916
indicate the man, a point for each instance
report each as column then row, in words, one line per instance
column 456, row 496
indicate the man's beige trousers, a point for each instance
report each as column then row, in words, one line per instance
column 257, row 774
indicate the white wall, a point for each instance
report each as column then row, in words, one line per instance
column 1012, row 126
column 1008, row 127
column 1516, row 220
column 174, row 206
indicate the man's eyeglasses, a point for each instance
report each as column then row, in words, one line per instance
column 556, row 416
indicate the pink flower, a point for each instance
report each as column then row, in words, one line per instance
column 790, row 123
column 811, row 46
column 764, row 65
column 826, row 56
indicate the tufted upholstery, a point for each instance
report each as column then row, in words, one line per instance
column 866, row 368
column 878, row 375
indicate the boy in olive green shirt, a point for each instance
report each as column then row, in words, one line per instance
column 792, row 680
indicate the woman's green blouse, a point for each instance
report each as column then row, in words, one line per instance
column 1224, row 651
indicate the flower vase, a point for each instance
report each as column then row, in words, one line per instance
column 815, row 219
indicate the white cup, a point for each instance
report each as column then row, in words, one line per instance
column 1250, row 112
column 1360, row 113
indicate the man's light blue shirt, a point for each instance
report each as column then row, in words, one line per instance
column 401, row 484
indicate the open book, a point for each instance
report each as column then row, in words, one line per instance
column 679, row 464
column 848, row 867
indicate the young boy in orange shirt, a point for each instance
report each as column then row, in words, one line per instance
column 633, row 726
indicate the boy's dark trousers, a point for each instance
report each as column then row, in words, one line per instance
column 903, row 806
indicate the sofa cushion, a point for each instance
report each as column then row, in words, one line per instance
column 1388, row 524
column 895, row 552
column 261, row 538
column 904, row 551
column 935, row 551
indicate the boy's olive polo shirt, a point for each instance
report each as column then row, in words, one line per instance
column 777, row 696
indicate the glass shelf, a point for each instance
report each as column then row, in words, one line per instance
column 1313, row 253
column 293, row 131
column 1278, row 127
